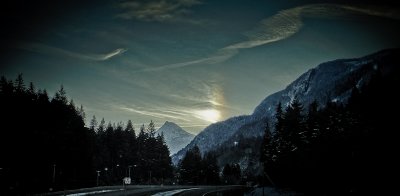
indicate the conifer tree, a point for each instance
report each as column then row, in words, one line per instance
column 313, row 127
column 61, row 96
column 93, row 123
column 211, row 169
column 293, row 128
column 151, row 129
column 19, row 84
column 190, row 167
column 101, row 128
column 266, row 146
column 129, row 127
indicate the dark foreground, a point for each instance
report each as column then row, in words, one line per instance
column 156, row 190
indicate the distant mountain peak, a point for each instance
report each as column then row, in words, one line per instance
column 171, row 124
column 170, row 127
column 175, row 137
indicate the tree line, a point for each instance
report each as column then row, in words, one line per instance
column 337, row 148
column 120, row 153
column 194, row 169
column 45, row 146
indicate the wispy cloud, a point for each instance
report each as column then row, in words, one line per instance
column 104, row 57
column 178, row 114
column 157, row 10
column 50, row 50
column 194, row 125
column 280, row 26
column 156, row 113
column 222, row 55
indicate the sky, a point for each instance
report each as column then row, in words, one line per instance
column 192, row 62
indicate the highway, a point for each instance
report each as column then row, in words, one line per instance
column 156, row 190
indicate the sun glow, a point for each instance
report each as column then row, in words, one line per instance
column 210, row 115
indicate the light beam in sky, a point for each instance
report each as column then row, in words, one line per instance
column 210, row 115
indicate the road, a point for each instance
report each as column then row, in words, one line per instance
column 156, row 190
column 215, row 190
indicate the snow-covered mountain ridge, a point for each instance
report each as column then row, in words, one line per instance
column 329, row 81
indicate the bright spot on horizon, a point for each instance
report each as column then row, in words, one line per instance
column 210, row 115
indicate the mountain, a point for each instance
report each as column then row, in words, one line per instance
column 175, row 137
column 330, row 81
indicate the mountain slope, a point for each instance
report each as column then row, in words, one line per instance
column 330, row 81
column 175, row 137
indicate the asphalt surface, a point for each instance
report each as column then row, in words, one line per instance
column 137, row 190
column 215, row 190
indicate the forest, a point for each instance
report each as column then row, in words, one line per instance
column 337, row 148
column 45, row 145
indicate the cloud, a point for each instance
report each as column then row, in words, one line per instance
column 157, row 10
column 50, row 50
column 156, row 114
column 178, row 114
column 194, row 125
column 104, row 57
column 220, row 56
column 280, row 26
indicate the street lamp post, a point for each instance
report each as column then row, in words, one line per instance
column 52, row 186
column 97, row 179
column 54, row 174
column 107, row 176
column 117, row 168
column 150, row 177
column 129, row 170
